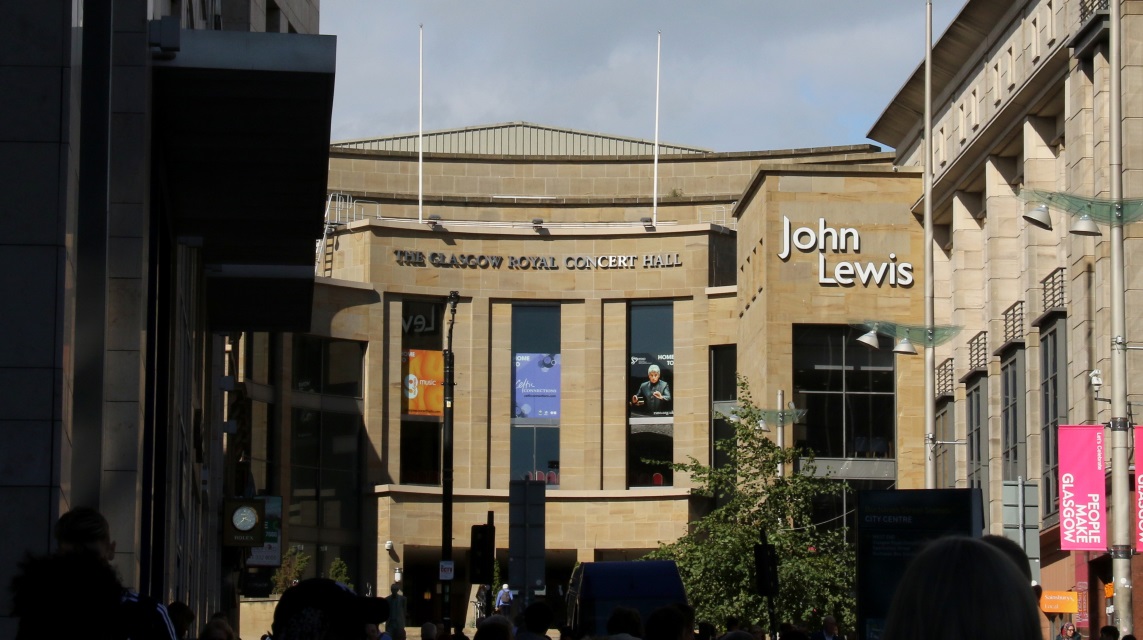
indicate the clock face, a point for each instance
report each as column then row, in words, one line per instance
column 244, row 518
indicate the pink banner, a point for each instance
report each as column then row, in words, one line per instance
column 1083, row 499
column 1138, row 488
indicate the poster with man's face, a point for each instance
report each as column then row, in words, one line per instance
column 649, row 379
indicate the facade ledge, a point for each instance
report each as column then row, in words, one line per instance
column 345, row 284
column 729, row 291
column 558, row 495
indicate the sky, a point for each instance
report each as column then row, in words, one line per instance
column 736, row 75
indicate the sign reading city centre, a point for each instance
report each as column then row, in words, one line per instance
column 842, row 240
column 536, row 263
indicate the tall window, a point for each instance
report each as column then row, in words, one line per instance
column 650, row 394
column 976, row 416
column 1054, row 407
column 1012, row 414
column 535, row 440
column 422, row 393
column 328, row 366
column 324, row 469
column 723, row 396
column 848, row 391
column 945, row 454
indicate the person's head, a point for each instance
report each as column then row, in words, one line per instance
column 977, row 582
column 757, row 631
column 1129, row 636
column 625, row 620
column 85, row 528
column 706, row 631
column 398, row 633
column 653, row 373
column 494, row 627
column 395, row 588
column 1108, row 632
column 1012, row 550
column 1068, row 630
column 829, row 625
column 81, row 581
column 323, row 608
column 732, row 623
column 504, row 587
column 372, row 632
column 181, row 617
column 667, row 623
column 217, row 629
column 737, row 634
column 538, row 618
column 428, row 631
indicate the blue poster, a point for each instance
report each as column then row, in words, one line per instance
column 536, row 395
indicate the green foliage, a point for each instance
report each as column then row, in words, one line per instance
column 294, row 562
column 816, row 565
column 339, row 571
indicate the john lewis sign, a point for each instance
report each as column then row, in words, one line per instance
column 843, row 240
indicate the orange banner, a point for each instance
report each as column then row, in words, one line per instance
column 1059, row 602
column 423, row 372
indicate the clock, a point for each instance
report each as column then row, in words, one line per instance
column 244, row 518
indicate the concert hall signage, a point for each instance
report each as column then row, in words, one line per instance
column 536, row 263
column 842, row 240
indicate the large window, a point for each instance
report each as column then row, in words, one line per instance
column 945, row 454
column 650, row 403
column 535, row 445
column 324, row 471
column 1012, row 414
column 723, row 396
column 848, row 392
column 422, row 398
column 1054, row 407
column 328, row 366
column 976, row 428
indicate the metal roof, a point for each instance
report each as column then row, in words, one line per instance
column 519, row 139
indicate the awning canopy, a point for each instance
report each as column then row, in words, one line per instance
column 240, row 158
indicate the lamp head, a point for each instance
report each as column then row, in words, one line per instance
column 905, row 347
column 1038, row 216
column 1085, row 226
column 870, row 339
column 1096, row 380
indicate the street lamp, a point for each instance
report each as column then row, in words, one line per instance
column 447, row 459
column 930, row 336
column 1113, row 212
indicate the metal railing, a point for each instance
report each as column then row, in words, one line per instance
column 946, row 378
column 1088, row 8
column 978, row 351
column 1014, row 322
column 1054, row 286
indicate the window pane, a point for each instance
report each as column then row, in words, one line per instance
column 420, row 452
column 825, row 426
column 723, row 373
column 307, row 363
column 343, row 367
column 339, row 465
column 649, row 453
column 421, row 324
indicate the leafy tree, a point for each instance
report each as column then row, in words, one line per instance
column 816, row 564
column 294, row 562
column 339, row 571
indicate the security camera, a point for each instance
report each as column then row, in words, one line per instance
column 1096, row 380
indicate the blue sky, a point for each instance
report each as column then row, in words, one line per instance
column 737, row 75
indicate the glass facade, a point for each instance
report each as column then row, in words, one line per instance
column 848, row 392
column 1053, row 408
column 536, row 395
column 1012, row 414
column 650, row 403
column 422, row 344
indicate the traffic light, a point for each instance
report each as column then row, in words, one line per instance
column 482, row 556
column 766, row 570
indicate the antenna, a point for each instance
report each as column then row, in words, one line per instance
column 655, row 180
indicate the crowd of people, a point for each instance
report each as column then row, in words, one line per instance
column 946, row 590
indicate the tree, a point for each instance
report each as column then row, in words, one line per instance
column 339, row 571
column 294, row 562
column 746, row 496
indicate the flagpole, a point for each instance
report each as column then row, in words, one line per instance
column 421, row 124
column 655, row 180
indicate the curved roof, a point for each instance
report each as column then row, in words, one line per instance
column 519, row 139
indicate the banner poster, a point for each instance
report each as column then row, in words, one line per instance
column 270, row 553
column 536, row 393
column 650, row 377
column 423, row 372
column 1138, row 488
column 1083, row 499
